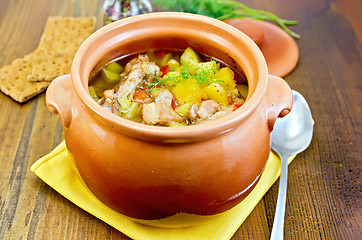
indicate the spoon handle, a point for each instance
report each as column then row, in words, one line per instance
column 277, row 232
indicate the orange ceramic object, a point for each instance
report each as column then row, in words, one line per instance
column 279, row 49
column 249, row 27
column 151, row 172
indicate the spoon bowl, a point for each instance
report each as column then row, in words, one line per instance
column 291, row 135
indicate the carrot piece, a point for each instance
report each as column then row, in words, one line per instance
column 140, row 96
column 236, row 106
column 165, row 69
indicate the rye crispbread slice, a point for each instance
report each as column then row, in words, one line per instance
column 14, row 83
column 60, row 41
column 61, row 38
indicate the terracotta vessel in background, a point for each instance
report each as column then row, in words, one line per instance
column 151, row 172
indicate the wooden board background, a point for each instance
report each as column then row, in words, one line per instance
column 324, row 188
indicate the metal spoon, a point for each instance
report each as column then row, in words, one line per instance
column 291, row 135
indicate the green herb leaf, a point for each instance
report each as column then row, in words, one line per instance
column 202, row 76
column 224, row 9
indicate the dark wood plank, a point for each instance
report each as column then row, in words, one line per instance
column 29, row 208
column 324, row 188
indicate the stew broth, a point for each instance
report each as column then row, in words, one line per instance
column 168, row 88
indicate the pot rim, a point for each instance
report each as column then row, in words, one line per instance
column 171, row 134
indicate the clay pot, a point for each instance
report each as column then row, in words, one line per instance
column 151, row 172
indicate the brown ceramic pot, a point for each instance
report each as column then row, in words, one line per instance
column 151, row 172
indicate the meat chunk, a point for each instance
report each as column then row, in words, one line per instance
column 193, row 111
column 109, row 102
column 219, row 114
column 108, row 94
column 135, row 72
column 167, row 114
column 110, row 106
column 152, row 71
column 150, row 113
column 207, row 109
column 154, row 113
column 164, row 96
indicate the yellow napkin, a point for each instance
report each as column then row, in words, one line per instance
column 58, row 170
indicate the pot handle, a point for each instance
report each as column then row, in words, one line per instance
column 279, row 98
column 59, row 98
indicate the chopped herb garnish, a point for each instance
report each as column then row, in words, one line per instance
column 204, row 74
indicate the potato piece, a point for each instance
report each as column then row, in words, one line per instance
column 160, row 61
column 174, row 65
column 226, row 77
column 243, row 90
column 208, row 67
column 115, row 67
column 187, row 91
column 171, row 78
column 216, row 92
column 165, row 59
column 190, row 59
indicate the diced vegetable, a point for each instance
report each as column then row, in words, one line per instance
column 155, row 91
column 124, row 104
column 190, row 59
column 236, row 106
column 133, row 113
column 171, row 78
column 184, row 109
column 239, row 101
column 235, row 92
column 243, row 90
column 187, row 91
column 93, row 93
column 161, row 58
column 110, row 77
column 140, row 96
column 207, row 67
column 176, row 124
column 165, row 69
column 153, row 58
column 168, row 88
column 164, row 60
column 161, row 53
column 174, row 65
column 226, row 78
column 216, row 92
column 115, row 67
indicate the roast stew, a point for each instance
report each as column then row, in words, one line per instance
column 168, row 88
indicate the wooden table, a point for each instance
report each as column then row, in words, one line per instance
column 324, row 189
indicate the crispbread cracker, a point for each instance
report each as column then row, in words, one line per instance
column 13, row 80
column 51, row 59
column 61, row 39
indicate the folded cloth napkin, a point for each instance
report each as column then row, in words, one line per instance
column 58, row 170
